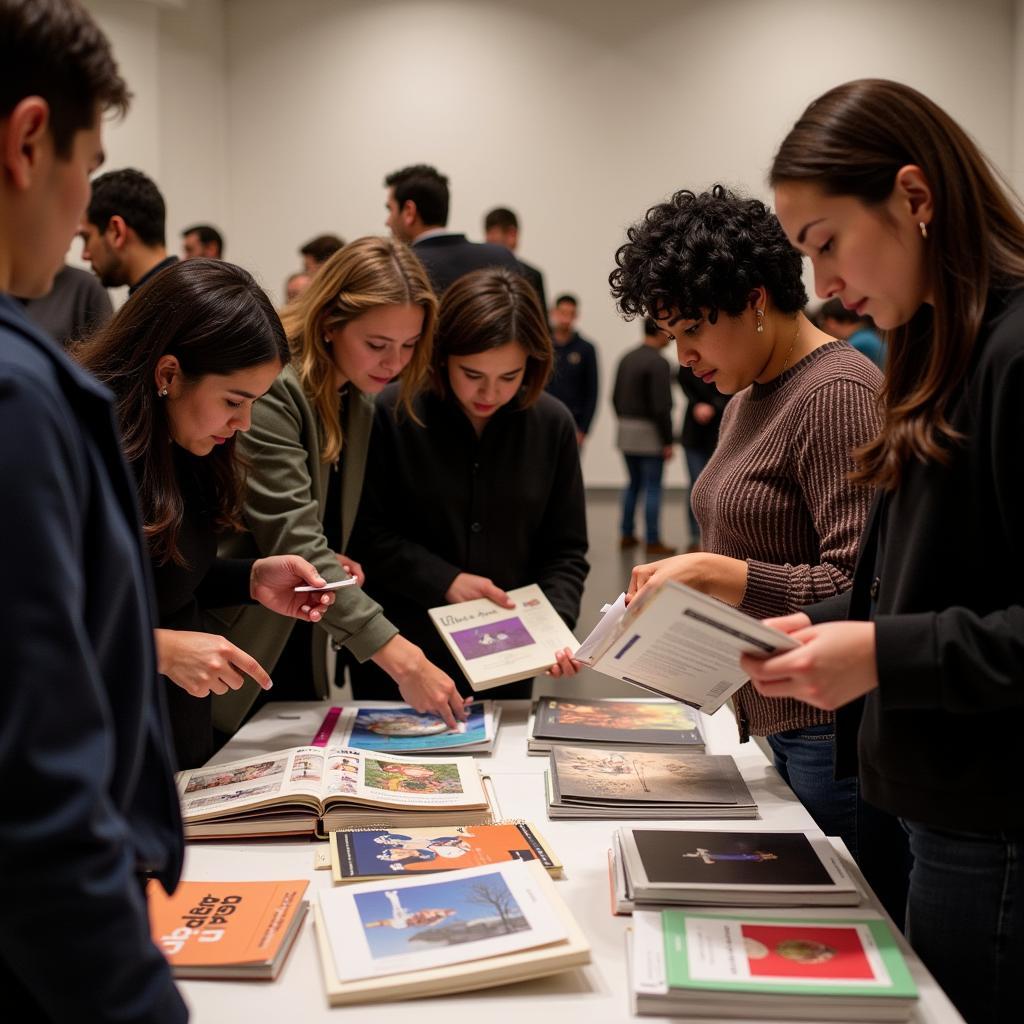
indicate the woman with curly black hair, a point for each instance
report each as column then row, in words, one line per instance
column 779, row 518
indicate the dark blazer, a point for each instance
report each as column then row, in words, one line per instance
column 536, row 279
column 700, row 436
column 941, row 573
column 448, row 257
column 88, row 800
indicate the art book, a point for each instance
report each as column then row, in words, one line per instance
column 495, row 645
column 588, row 783
column 359, row 854
column 230, row 930
column 311, row 790
column 776, row 869
column 695, row 964
column 400, row 729
column 679, row 643
column 646, row 724
column 408, row 937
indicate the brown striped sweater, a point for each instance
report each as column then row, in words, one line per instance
column 776, row 494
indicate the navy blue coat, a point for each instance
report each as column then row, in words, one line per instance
column 87, row 801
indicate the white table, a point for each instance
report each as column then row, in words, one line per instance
column 596, row 994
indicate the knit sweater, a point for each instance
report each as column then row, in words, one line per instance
column 776, row 494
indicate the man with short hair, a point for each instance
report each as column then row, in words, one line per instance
column 88, row 809
column 123, row 235
column 574, row 375
column 417, row 204
column 202, row 241
column 295, row 285
column 317, row 251
column 501, row 227
column 856, row 328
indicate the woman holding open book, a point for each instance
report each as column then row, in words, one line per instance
column 903, row 218
column 477, row 488
column 779, row 517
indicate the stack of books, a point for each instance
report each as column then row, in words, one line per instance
column 409, row 937
column 663, row 725
column 765, row 966
column 586, row 783
column 665, row 867
column 314, row 790
column 400, row 729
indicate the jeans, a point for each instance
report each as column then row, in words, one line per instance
column 644, row 476
column 805, row 759
column 696, row 459
column 965, row 918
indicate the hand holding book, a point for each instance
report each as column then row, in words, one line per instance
column 715, row 575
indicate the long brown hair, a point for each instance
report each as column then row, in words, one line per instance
column 852, row 141
column 366, row 274
column 213, row 318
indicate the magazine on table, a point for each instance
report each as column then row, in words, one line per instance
column 679, row 643
column 398, row 728
column 495, row 645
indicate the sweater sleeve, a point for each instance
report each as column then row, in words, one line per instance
column 836, row 417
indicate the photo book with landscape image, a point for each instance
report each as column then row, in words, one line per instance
column 400, row 729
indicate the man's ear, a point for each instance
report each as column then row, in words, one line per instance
column 409, row 213
column 25, row 139
column 116, row 232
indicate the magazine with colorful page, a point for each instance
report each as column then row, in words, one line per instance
column 695, row 963
column 398, row 728
column 408, row 937
column 360, row 854
column 495, row 645
column 310, row 789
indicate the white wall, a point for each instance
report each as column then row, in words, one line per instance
column 279, row 120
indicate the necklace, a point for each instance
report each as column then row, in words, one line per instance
column 792, row 345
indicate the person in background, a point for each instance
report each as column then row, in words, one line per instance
column 123, row 233
column 856, row 328
column 476, row 489
column 295, row 285
column 202, row 241
column 699, row 435
column 366, row 319
column 501, row 227
column 186, row 360
column 76, row 305
column 88, row 809
column 574, row 379
column 317, row 251
column 642, row 398
column 904, row 219
column 779, row 516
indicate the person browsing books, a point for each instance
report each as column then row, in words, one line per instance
column 186, row 358
column 367, row 318
column 477, row 489
column 904, row 219
column 779, row 518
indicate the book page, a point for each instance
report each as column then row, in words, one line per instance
column 397, row 727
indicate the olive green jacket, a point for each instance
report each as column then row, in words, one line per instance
column 286, row 492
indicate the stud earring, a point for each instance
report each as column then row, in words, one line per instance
column 162, row 392
column 924, row 229
column 759, row 313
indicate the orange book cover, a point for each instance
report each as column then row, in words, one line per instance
column 226, row 929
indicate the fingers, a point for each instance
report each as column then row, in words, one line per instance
column 789, row 623
column 446, row 711
column 498, row 596
column 637, row 578
column 250, row 666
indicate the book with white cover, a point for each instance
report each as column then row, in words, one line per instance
column 495, row 645
column 679, row 643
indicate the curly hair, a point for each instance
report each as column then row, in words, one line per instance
column 703, row 253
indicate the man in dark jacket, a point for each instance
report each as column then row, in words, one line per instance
column 88, row 806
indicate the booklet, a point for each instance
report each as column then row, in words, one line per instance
column 495, row 645
column 230, row 930
column 359, row 854
column 399, row 728
column 409, row 937
column 316, row 789
column 679, row 643
column 694, row 964
column 643, row 724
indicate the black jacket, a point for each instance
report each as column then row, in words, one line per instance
column 438, row 501
column 88, row 800
column 700, row 436
column 448, row 257
column 941, row 573
column 574, row 379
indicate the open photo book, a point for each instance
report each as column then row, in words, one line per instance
column 409, row 937
column 679, row 643
column 495, row 645
column 312, row 790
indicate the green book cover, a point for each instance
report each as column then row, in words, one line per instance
column 790, row 956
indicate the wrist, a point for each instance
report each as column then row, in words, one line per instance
column 399, row 658
column 254, row 578
column 162, row 640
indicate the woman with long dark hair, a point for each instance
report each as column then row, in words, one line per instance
column 904, row 219
column 186, row 358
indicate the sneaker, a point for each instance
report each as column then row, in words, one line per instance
column 659, row 549
column 628, row 542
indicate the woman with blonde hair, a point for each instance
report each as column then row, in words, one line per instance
column 366, row 319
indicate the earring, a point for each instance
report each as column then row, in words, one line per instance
column 759, row 313
column 162, row 392
column 924, row 229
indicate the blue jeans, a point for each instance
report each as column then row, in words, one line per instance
column 965, row 918
column 805, row 759
column 644, row 477
column 696, row 459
